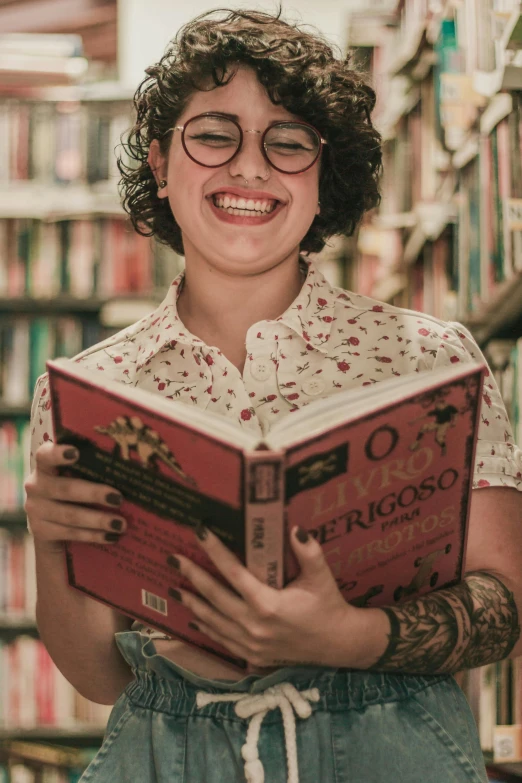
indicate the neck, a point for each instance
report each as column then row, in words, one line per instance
column 220, row 307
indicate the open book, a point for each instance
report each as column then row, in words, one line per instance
column 381, row 476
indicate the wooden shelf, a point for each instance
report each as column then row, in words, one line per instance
column 79, row 735
column 11, row 622
column 54, row 202
column 500, row 313
column 8, row 411
column 59, row 304
column 16, row 518
column 135, row 305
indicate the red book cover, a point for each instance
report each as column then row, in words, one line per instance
column 380, row 476
column 167, row 494
column 387, row 496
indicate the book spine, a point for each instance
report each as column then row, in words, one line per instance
column 264, row 516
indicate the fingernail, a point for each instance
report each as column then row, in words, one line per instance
column 173, row 561
column 112, row 537
column 116, row 524
column 201, row 531
column 301, row 535
column 113, row 499
column 71, row 454
column 175, row 594
column 193, row 626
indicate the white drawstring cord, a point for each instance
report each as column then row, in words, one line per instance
column 255, row 706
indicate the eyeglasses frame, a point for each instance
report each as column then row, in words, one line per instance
column 240, row 145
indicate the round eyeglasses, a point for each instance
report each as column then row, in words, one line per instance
column 213, row 140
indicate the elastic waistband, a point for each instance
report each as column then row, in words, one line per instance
column 162, row 686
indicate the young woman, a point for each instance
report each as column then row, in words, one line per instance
column 253, row 144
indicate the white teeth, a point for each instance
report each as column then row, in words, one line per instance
column 233, row 204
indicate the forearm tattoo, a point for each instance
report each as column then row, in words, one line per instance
column 469, row 625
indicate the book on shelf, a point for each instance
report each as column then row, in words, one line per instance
column 81, row 258
column 26, row 342
column 380, row 477
column 59, row 142
column 36, row 695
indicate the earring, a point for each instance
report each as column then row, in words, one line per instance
column 162, row 183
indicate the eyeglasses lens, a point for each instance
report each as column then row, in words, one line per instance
column 213, row 141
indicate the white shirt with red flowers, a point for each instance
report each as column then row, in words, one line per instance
column 327, row 341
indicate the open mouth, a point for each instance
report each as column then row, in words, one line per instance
column 233, row 205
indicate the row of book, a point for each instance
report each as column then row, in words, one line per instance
column 15, row 437
column 34, row 693
column 17, row 577
column 26, row 344
column 473, row 192
column 494, row 693
column 505, row 359
column 100, row 257
column 489, row 200
column 32, row 762
column 61, row 141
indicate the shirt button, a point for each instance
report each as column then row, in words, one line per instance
column 518, row 457
column 260, row 369
column 313, row 387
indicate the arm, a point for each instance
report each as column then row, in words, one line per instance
column 309, row 622
column 471, row 624
column 79, row 632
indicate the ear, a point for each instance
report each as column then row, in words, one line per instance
column 158, row 164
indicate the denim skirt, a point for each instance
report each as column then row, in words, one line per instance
column 297, row 725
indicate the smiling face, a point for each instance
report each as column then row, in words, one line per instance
column 215, row 224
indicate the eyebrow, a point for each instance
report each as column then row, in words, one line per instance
column 238, row 119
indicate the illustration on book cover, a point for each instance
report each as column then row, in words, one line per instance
column 130, row 434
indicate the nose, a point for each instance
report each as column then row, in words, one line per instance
column 250, row 161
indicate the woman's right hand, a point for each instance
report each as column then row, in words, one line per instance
column 57, row 507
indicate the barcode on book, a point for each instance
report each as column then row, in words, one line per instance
column 154, row 602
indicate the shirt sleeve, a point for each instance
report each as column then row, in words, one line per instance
column 41, row 418
column 498, row 460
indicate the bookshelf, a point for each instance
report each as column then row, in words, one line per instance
column 72, row 272
column 447, row 237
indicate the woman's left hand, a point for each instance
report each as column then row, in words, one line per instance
column 307, row 622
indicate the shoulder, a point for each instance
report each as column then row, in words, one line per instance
column 400, row 329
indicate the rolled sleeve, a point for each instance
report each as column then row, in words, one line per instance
column 498, row 459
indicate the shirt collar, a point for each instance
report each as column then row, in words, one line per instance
column 310, row 316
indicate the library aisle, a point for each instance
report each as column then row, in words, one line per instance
column 446, row 239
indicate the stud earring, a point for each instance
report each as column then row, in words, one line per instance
column 162, row 183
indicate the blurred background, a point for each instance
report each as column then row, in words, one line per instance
column 446, row 240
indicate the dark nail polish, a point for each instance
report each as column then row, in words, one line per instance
column 193, row 626
column 112, row 537
column 71, row 454
column 173, row 561
column 175, row 594
column 302, row 535
column 113, row 499
column 116, row 524
column 201, row 531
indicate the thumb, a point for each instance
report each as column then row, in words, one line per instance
column 309, row 554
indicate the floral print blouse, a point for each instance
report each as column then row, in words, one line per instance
column 328, row 340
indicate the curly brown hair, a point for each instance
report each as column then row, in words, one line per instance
column 299, row 71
